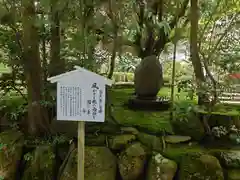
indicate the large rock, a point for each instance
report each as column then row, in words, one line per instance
column 229, row 159
column 121, row 141
column 131, row 162
column 148, row 77
column 100, row 164
column 152, row 142
column 161, row 168
column 197, row 166
column 40, row 164
column 11, row 145
column 190, row 125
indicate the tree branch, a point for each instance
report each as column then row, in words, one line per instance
column 163, row 38
column 222, row 36
column 180, row 14
column 209, row 20
column 138, row 37
column 115, row 40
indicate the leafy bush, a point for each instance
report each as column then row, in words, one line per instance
column 12, row 108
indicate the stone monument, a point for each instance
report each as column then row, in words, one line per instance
column 148, row 80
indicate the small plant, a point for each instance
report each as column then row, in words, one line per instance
column 182, row 110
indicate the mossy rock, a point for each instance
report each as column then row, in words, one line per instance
column 150, row 141
column 176, row 152
column 173, row 139
column 96, row 167
column 189, row 126
column 197, row 166
column 120, row 141
column 233, row 174
column 129, row 130
column 40, row 164
column 100, row 164
column 95, row 140
column 229, row 159
column 11, row 146
column 131, row 162
column 161, row 168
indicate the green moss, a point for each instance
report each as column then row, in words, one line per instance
column 131, row 161
column 100, row 164
column 177, row 152
column 161, row 168
column 155, row 122
column 199, row 166
column 150, row 141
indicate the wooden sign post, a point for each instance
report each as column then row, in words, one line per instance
column 80, row 97
column 81, row 145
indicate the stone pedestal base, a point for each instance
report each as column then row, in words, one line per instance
column 158, row 104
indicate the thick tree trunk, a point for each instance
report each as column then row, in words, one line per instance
column 56, row 65
column 44, row 57
column 37, row 118
column 194, row 49
column 115, row 40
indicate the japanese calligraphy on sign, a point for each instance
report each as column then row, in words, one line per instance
column 75, row 102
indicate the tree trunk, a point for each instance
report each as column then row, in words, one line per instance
column 56, row 65
column 37, row 116
column 194, row 49
column 115, row 40
column 44, row 57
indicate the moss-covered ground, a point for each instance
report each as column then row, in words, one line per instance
column 153, row 121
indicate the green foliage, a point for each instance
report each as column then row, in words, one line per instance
column 182, row 110
column 13, row 107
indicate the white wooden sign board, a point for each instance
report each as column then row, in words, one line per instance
column 81, row 96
